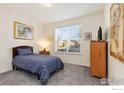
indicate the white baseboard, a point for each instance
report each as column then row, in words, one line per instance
column 116, row 81
column 77, row 64
column 5, row 70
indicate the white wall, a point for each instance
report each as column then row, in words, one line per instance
column 89, row 23
column 115, row 67
column 6, row 37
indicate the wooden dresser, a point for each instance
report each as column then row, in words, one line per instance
column 98, row 58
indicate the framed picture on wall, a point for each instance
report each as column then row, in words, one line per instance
column 88, row 36
column 117, row 31
column 22, row 31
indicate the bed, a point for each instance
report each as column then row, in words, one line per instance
column 41, row 65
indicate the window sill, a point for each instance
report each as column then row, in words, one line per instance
column 68, row 53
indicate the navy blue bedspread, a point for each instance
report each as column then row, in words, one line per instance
column 42, row 65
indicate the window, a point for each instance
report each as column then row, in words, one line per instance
column 67, row 39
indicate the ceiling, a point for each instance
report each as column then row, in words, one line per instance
column 58, row 11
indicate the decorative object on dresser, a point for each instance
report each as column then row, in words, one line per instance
column 98, row 58
column 100, row 33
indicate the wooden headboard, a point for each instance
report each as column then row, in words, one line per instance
column 15, row 52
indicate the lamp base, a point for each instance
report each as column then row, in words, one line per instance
column 44, row 49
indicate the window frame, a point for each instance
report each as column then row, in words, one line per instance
column 67, row 52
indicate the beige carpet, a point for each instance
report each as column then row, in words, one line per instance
column 71, row 75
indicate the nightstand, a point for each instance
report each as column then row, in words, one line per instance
column 44, row 52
